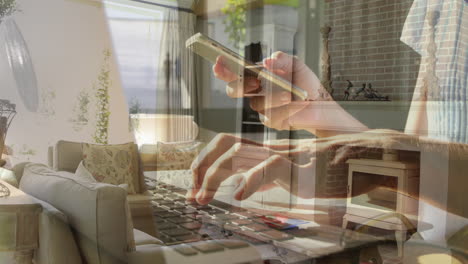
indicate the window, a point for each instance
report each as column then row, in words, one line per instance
column 136, row 35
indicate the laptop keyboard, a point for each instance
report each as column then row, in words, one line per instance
column 178, row 222
column 189, row 228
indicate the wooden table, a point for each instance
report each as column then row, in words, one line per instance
column 19, row 219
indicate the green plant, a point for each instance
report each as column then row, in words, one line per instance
column 80, row 110
column 135, row 106
column 7, row 7
column 102, row 103
column 235, row 11
column 47, row 104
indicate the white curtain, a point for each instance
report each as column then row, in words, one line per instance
column 177, row 96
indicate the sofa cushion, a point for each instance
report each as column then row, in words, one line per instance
column 56, row 242
column 169, row 156
column 96, row 211
column 82, row 173
column 67, row 155
column 18, row 170
column 113, row 164
column 177, row 155
column 9, row 177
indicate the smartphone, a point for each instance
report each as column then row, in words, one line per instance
column 210, row 50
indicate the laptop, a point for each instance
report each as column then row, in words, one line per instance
column 274, row 233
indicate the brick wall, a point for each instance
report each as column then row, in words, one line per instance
column 365, row 47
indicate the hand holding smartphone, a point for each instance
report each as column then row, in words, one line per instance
column 210, row 50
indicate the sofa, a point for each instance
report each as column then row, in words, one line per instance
column 86, row 222
column 66, row 156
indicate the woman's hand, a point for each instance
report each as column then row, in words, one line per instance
column 280, row 164
column 273, row 107
column 269, row 166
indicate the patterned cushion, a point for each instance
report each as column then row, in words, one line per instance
column 113, row 164
column 179, row 178
column 176, row 156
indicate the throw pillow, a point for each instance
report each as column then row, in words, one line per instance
column 177, row 156
column 113, row 164
column 9, row 177
column 83, row 174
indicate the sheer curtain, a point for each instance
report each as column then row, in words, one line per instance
column 177, row 98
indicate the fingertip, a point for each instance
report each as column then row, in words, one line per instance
column 195, row 179
column 268, row 63
column 202, row 198
column 231, row 92
column 217, row 69
column 226, row 72
column 277, row 54
column 190, row 195
column 280, row 72
column 239, row 191
column 219, row 59
column 190, row 200
column 238, row 195
column 259, row 103
column 245, row 194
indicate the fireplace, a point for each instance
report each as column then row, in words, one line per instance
column 383, row 194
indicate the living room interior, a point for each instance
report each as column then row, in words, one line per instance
column 107, row 113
